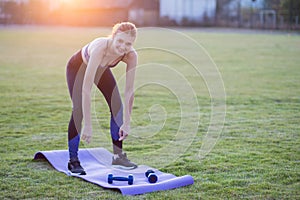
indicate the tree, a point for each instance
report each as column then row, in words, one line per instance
column 289, row 9
column 221, row 9
column 284, row 7
column 272, row 4
column 292, row 7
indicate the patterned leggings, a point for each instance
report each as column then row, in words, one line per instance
column 106, row 83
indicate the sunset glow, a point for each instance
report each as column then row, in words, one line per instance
column 65, row 1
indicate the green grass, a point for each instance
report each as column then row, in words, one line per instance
column 256, row 157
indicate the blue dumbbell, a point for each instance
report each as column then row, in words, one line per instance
column 111, row 178
column 150, row 174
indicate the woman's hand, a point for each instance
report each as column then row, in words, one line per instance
column 123, row 132
column 87, row 134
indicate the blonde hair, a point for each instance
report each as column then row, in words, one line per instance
column 125, row 27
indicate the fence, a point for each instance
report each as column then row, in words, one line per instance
column 258, row 18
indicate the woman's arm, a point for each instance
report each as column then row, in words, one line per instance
column 88, row 81
column 131, row 61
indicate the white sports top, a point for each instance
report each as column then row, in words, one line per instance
column 85, row 51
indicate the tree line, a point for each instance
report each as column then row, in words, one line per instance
column 38, row 12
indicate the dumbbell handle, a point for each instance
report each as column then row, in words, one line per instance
column 111, row 178
column 118, row 178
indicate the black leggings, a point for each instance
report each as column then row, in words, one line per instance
column 106, row 83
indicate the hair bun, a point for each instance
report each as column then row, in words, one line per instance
column 125, row 27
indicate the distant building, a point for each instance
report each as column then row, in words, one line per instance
column 141, row 12
column 144, row 12
column 108, row 12
column 188, row 11
column 249, row 3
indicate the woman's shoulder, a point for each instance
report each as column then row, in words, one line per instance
column 132, row 53
column 98, row 44
column 99, row 40
column 131, row 56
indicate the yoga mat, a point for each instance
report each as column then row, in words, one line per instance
column 97, row 164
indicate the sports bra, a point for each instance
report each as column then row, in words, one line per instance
column 86, row 56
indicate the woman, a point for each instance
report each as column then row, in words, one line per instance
column 92, row 65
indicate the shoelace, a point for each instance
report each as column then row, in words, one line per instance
column 124, row 156
column 76, row 163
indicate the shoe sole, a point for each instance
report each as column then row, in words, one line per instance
column 79, row 173
column 123, row 167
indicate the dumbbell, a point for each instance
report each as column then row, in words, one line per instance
column 111, row 178
column 150, row 174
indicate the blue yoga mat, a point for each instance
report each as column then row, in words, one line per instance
column 97, row 164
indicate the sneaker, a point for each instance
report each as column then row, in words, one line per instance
column 75, row 167
column 122, row 162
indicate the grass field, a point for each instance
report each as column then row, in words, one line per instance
column 256, row 156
